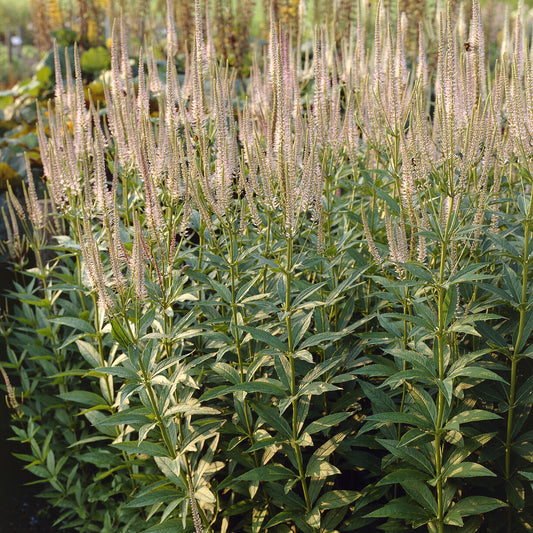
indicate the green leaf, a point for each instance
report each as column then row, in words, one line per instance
column 337, row 498
column 466, row 417
column 153, row 496
column 75, row 323
column 515, row 492
column 402, row 475
column 313, row 519
column 410, row 455
column 316, row 388
column 89, row 353
column 131, row 416
column 420, row 493
column 391, row 203
column 419, row 272
column 450, row 304
column 379, row 399
column 419, row 361
column 222, row 290
column 424, row 404
column 473, row 505
column 469, row 273
column 280, row 518
column 148, row 448
column 266, row 337
column 271, row 416
column 322, row 338
column 491, row 335
column 307, row 293
column 84, row 397
column 120, row 372
column 258, row 517
column 396, row 417
column 446, row 387
column 321, row 469
column 119, row 333
column 168, row 526
column 467, row 469
column 227, row 372
column 326, row 422
column 476, row 372
column 527, row 475
column 401, row 509
column 318, row 458
column 265, row 386
column 267, row 473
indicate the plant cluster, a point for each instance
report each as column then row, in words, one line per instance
column 305, row 308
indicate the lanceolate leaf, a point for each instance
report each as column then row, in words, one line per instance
column 474, row 415
column 401, row 509
column 266, row 337
column 337, row 498
column 403, row 475
column 324, row 423
column 267, row 473
column 410, row 455
column 467, row 469
column 148, row 448
column 472, row 505
column 271, row 417
column 421, row 494
column 266, row 386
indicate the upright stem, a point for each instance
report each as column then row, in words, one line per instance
column 184, row 475
column 523, row 309
column 234, row 274
column 441, row 343
column 288, row 323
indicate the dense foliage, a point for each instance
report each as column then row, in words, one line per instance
column 306, row 308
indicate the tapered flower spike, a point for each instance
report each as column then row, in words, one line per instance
column 197, row 521
column 360, row 42
column 506, row 46
column 378, row 68
column 172, row 38
column 116, row 256
column 370, row 240
column 14, row 202
column 519, row 40
column 422, row 66
column 15, row 241
column 11, row 398
column 477, row 41
column 79, row 114
column 93, row 264
column 100, row 191
column 33, row 207
column 143, row 99
column 199, row 43
column 137, row 264
column 11, row 246
column 59, row 91
column 125, row 65
column 154, row 83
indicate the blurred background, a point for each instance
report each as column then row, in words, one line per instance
column 28, row 27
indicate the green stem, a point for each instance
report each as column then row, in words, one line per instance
column 441, row 343
column 523, row 309
column 288, row 323
column 234, row 275
column 186, row 474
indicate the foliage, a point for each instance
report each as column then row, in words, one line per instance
column 95, row 60
column 308, row 309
